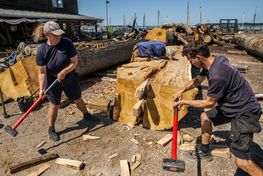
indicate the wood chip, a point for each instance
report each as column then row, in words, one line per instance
column 187, row 147
column 191, row 131
column 133, row 158
column 221, row 152
column 165, row 140
column 135, row 141
column 150, row 143
column 113, row 156
column 89, row 137
column 138, row 157
column 188, row 138
column 40, row 144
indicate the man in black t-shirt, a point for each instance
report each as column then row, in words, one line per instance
column 57, row 59
column 236, row 103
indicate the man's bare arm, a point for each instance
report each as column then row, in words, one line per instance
column 190, row 85
column 209, row 102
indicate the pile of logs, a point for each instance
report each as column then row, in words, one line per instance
column 183, row 33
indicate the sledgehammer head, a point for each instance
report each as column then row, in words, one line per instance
column 10, row 130
column 173, row 165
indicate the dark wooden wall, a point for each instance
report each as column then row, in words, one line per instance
column 70, row 6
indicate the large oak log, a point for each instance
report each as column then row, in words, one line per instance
column 102, row 58
column 251, row 42
column 167, row 77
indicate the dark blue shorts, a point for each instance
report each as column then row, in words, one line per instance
column 70, row 86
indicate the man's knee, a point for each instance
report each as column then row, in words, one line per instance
column 204, row 117
column 243, row 164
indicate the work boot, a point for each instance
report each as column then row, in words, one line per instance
column 199, row 154
column 87, row 116
column 52, row 134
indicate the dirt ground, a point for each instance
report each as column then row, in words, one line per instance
column 115, row 137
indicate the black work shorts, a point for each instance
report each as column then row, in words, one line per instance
column 217, row 117
column 70, row 85
column 242, row 130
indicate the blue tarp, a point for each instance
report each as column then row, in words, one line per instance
column 151, row 49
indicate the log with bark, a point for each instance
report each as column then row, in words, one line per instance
column 251, row 42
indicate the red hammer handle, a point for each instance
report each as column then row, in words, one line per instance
column 174, row 139
column 33, row 106
column 27, row 112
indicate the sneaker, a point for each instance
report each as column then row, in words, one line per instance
column 199, row 154
column 53, row 135
column 87, row 116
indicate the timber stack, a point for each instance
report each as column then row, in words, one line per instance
column 145, row 91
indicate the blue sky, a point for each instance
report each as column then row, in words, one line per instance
column 172, row 11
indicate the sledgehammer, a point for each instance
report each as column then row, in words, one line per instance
column 172, row 164
column 12, row 130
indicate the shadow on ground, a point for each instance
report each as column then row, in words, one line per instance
column 80, row 125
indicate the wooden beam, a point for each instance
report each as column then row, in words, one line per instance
column 125, row 169
column 138, row 108
column 165, row 140
column 142, row 89
column 40, row 170
column 72, row 163
column 32, row 162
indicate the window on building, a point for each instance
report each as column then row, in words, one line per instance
column 57, row 3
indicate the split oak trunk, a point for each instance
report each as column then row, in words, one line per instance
column 166, row 77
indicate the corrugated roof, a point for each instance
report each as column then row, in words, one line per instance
column 20, row 20
column 8, row 13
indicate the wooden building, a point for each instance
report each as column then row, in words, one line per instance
column 18, row 18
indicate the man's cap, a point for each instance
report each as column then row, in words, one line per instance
column 53, row 27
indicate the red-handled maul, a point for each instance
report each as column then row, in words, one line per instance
column 172, row 164
column 12, row 130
